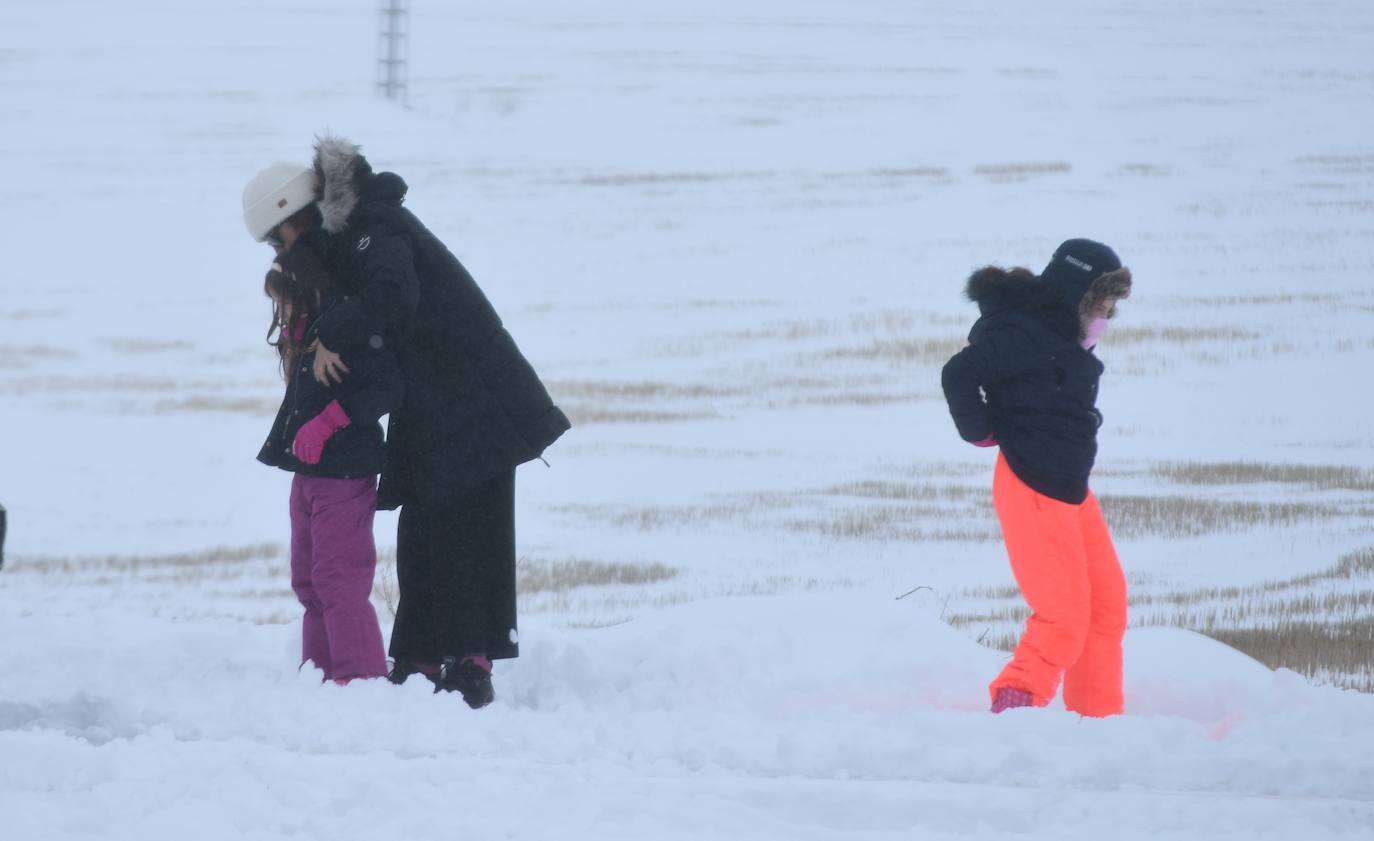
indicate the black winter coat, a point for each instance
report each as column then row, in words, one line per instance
column 474, row 407
column 373, row 387
column 1025, row 379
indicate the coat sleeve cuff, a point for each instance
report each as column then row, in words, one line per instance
column 335, row 415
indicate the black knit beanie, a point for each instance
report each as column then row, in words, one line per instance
column 1075, row 265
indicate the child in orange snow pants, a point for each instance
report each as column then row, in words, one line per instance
column 1066, row 567
column 1027, row 383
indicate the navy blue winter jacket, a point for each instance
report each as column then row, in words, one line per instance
column 372, row 388
column 1025, row 379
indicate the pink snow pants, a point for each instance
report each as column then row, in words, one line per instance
column 1067, row 569
column 333, row 558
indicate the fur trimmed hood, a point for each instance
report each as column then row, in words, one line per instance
column 1007, row 296
column 1009, row 293
column 1112, row 286
column 336, row 172
column 344, row 180
column 995, row 289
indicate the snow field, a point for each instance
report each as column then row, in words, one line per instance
column 731, row 237
column 664, row 726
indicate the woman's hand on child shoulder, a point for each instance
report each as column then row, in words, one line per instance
column 329, row 366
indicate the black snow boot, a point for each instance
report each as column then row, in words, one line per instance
column 401, row 670
column 468, row 677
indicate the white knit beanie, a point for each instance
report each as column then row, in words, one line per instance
column 274, row 194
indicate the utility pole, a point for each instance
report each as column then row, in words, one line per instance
column 393, row 63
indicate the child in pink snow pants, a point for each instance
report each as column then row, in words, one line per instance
column 1027, row 383
column 333, row 559
column 328, row 435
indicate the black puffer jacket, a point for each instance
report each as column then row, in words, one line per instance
column 373, row 387
column 1040, row 384
column 474, row 407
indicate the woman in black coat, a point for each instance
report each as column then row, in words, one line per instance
column 473, row 410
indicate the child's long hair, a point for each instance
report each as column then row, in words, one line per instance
column 297, row 284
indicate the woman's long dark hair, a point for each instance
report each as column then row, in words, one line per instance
column 297, row 284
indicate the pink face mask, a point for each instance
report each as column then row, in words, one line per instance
column 1092, row 334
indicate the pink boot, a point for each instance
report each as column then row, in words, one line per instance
column 1009, row 697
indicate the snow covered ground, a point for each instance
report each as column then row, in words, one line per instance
column 732, row 237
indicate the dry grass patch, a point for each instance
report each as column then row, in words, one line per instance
column 910, row 172
column 254, row 594
column 35, row 352
column 587, row 416
column 898, row 322
column 600, row 608
column 888, row 175
column 840, row 388
column 218, row 556
column 605, row 401
column 1021, row 171
column 562, row 576
column 853, row 398
column 924, row 470
column 16, row 357
column 655, row 402
column 1355, row 164
column 32, row 314
column 1029, row 72
column 139, row 346
column 659, row 517
column 597, row 624
column 898, row 523
column 117, row 383
column 805, row 513
column 257, row 406
column 1121, row 335
column 932, row 352
column 644, row 390
column 664, row 179
column 992, row 593
column 1179, row 516
column 384, row 584
column 1332, row 652
column 1146, row 170
column 997, row 628
column 1253, row 607
column 1318, row 624
column 559, row 578
column 1302, row 596
column 1266, row 300
column 1324, row 477
column 890, row 490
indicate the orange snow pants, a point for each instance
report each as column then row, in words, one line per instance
column 1067, row 569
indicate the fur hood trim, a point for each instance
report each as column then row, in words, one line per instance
column 1111, row 286
column 1018, row 293
column 338, row 163
column 994, row 288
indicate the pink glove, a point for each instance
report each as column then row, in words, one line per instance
column 310, row 440
column 990, row 441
